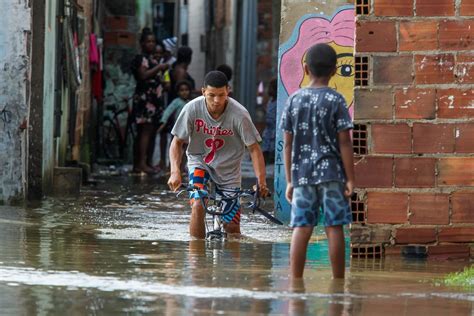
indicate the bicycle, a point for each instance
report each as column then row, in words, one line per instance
column 117, row 131
column 213, row 205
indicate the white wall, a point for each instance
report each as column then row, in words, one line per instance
column 14, row 67
column 196, row 25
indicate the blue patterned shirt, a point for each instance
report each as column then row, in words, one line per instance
column 315, row 116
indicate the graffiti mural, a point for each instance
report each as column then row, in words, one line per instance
column 338, row 32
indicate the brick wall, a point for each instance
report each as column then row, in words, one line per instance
column 417, row 180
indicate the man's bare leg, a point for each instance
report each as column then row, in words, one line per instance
column 197, row 228
column 299, row 245
column 337, row 250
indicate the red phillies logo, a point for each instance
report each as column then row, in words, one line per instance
column 202, row 127
column 215, row 145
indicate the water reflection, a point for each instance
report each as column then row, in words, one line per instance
column 124, row 249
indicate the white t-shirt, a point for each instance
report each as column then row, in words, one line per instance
column 216, row 145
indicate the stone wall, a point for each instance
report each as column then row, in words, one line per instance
column 14, row 80
column 415, row 115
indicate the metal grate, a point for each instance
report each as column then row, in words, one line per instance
column 361, row 71
column 358, row 209
column 359, row 139
column 362, row 7
column 367, row 251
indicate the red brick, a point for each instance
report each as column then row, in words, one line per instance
column 376, row 36
column 464, row 138
column 127, row 39
column 391, row 138
column 454, row 103
column 463, row 207
column 116, row 23
column 373, row 104
column 415, row 235
column 374, row 172
column 418, row 35
column 389, row 208
column 434, row 68
column 467, row 7
column 433, row 138
column 393, row 7
column 429, row 209
column 415, row 172
column 124, row 39
column 434, row 7
column 393, row 250
column 456, row 234
column 387, row 69
column 456, row 35
column 448, row 251
column 464, row 69
column 456, row 171
column 411, row 103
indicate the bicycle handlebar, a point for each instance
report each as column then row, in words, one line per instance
column 254, row 205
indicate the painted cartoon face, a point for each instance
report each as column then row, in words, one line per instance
column 343, row 80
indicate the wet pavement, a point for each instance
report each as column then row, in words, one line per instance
column 123, row 248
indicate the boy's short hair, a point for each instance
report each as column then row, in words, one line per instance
column 183, row 82
column 216, row 79
column 226, row 69
column 321, row 60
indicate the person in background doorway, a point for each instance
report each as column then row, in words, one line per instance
column 169, row 51
column 178, row 72
column 319, row 164
column 171, row 113
column 269, row 134
column 147, row 102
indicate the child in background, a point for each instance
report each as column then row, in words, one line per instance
column 318, row 161
column 171, row 113
column 269, row 133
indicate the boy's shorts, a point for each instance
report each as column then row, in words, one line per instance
column 329, row 196
column 199, row 178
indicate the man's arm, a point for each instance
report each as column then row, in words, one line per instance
column 347, row 155
column 259, row 167
column 176, row 154
column 288, row 144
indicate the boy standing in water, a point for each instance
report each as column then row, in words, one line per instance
column 319, row 163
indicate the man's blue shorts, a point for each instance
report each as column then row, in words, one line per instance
column 329, row 196
column 199, row 178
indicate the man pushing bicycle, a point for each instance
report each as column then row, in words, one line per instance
column 217, row 129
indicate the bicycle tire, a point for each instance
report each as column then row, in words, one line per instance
column 111, row 144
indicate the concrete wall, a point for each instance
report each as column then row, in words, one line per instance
column 197, row 28
column 14, row 80
column 49, row 78
column 417, row 179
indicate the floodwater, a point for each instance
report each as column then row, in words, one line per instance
column 123, row 249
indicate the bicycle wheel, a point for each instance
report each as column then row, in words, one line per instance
column 110, row 140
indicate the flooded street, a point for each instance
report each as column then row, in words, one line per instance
column 124, row 248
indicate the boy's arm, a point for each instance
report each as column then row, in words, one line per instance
column 288, row 141
column 347, row 155
column 259, row 167
column 167, row 112
column 176, row 154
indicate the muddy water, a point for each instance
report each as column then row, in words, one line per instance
column 123, row 248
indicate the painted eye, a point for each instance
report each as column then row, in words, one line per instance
column 346, row 70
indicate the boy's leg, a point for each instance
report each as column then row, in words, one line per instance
column 197, row 228
column 337, row 213
column 232, row 219
column 299, row 245
column 198, row 178
column 336, row 250
column 304, row 216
